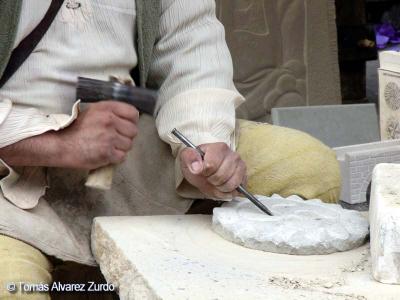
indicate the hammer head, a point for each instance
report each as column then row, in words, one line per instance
column 93, row 90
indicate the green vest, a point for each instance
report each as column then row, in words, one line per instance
column 147, row 18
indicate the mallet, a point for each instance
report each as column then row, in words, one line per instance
column 92, row 90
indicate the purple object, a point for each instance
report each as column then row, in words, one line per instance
column 386, row 34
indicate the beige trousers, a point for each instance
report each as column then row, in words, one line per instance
column 22, row 265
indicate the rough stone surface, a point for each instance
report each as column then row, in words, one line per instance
column 385, row 223
column 297, row 227
column 284, row 53
column 334, row 125
column 389, row 94
column 357, row 163
column 181, row 257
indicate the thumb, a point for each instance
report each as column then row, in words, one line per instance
column 191, row 159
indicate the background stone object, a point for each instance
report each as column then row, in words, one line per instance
column 389, row 94
column 357, row 163
column 284, row 53
column 297, row 227
column 181, row 257
column 334, row 125
column 385, row 223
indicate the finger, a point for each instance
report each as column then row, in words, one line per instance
column 126, row 128
column 218, row 195
column 226, row 170
column 236, row 179
column 123, row 143
column 212, row 192
column 190, row 159
column 124, row 110
column 214, row 156
column 118, row 156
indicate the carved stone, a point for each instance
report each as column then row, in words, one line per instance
column 357, row 163
column 389, row 94
column 284, row 53
column 297, row 227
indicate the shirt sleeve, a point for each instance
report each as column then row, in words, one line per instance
column 193, row 68
column 23, row 186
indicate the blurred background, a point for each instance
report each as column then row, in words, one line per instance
column 306, row 52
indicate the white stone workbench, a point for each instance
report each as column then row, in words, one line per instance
column 180, row 257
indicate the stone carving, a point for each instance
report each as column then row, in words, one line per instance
column 278, row 50
column 392, row 95
column 357, row 163
column 297, row 227
column 385, row 223
column 392, row 128
column 389, row 94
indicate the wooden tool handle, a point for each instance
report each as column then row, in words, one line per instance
column 101, row 178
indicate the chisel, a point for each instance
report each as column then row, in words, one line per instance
column 241, row 189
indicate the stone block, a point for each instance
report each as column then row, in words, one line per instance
column 284, row 53
column 389, row 94
column 180, row 257
column 385, row 223
column 334, row 125
column 357, row 163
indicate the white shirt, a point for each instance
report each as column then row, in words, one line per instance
column 191, row 64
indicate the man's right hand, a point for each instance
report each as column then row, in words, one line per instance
column 101, row 135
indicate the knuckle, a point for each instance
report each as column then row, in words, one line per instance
column 236, row 156
column 134, row 131
column 218, row 179
column 231, row 186
column 118, row 156
column 104, row 153
column 222, row 195
column 130, row 144
column 210, row 167
column 223, row 146
column 108, row 119
column 109, row 139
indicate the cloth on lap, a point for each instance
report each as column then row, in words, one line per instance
column 288, row 162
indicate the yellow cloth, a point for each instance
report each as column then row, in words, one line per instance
column 20, row 262
column 288, row 162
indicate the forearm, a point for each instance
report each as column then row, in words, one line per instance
column 43, row 150
column 202, row 102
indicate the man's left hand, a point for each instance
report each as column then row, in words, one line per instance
column 218, row 175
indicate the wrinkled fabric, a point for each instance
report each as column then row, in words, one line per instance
column 288, row 162
column 279, row 160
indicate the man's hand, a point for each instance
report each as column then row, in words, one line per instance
column 101, row 135
column 218, row 175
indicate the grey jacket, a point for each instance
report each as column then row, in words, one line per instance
column 148, row 15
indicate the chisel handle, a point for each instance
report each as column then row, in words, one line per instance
column 101, row 178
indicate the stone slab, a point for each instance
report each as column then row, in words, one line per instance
column 385, row 223
column 334, row 125
column 357, row 163
column 296, row 227
column 180, row 257
column 284, row 53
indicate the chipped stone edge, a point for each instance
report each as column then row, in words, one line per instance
column 270, row 247
column 117, row 270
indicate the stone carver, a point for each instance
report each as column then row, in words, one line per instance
column 49, row 141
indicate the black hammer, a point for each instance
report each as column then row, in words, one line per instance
column 92, row 90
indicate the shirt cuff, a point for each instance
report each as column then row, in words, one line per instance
column 24, row 186
column 203, row 116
